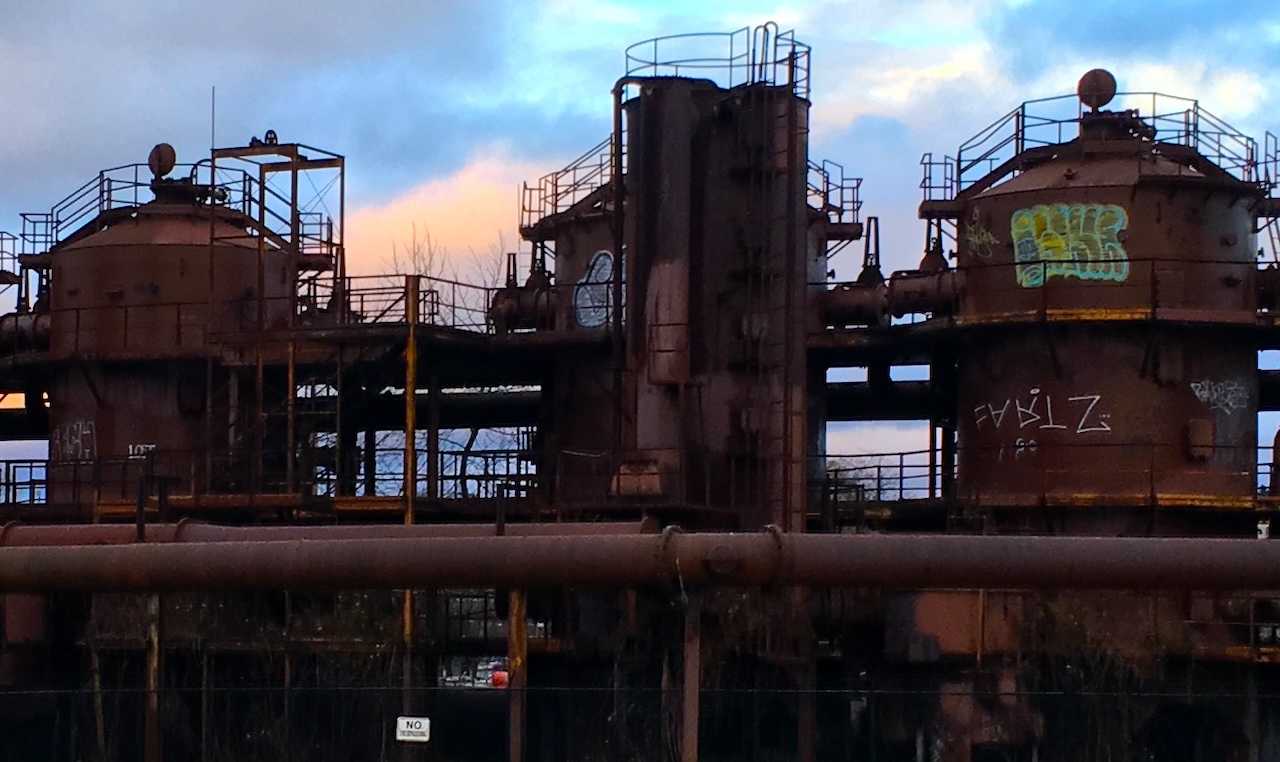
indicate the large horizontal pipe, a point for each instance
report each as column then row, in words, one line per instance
column 637, row 560
column 21, row 535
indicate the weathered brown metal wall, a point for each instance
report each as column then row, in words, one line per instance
column 717, row 260
column 136, row 302
column 1108, row 292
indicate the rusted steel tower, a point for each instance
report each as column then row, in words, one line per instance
column 704, row 185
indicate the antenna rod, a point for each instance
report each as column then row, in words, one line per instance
column 213, row 117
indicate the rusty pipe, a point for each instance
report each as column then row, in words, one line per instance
column 637, row 560
column 18, row 535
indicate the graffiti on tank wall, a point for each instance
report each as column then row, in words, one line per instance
column 1026, row 416
column 137, row 451
column 591, row 296
column 1074, row 414
column 1227, row 396
column 1069, row 241
column 978, row 239
column 77, row 440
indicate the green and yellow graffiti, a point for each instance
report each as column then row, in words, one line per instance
column 1069, row 241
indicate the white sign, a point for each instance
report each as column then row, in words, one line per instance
column 413, row 729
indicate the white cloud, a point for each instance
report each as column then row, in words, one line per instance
column 876, row 438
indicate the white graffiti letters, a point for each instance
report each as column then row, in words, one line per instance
column 77, row 440
column 1080, row 415
column 1227, row 396
column 1088, row 420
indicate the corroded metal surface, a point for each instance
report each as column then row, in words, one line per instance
column 1146, row 383
column 637, row 560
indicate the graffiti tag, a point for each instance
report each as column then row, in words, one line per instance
column 1227, row 396
column 591, row 297
column 1079, row 415
column 141, row 450
column 1069, row 241
column 979, row 239
column 77, row 440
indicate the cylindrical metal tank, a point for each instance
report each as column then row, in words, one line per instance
column 134, row 300
column 142, row 285
column 1109, row 287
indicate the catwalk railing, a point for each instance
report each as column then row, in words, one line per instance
column 229, row 187
column 763, row 55
column 514, row 481
column 373, row 301
column 1053, row 121
column 567, row 481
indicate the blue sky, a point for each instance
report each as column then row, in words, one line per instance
column 443, row 106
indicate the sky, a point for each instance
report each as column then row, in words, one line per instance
column 443, row 107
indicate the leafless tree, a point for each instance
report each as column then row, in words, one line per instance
column 459, row 296
column 420, row 255
column 866, row 477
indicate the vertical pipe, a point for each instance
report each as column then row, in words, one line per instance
column 292, row 432
column 807, row 700
column 342, row 218
column 294, row 221
column 339, row 458
column 204, row 704
column 99, row 715
column 412, row 284
column 982, row 623
column 794, row 255
column 807, row 712
column 288, row 675
column 517, row 678
column 433, row 433
column 140, row 506
column 260, row 413
column 948, row 459
column 618, row 232
column 370, row 461
column 691, row 681
column 152, row 751
column 933, row 457
column 411, row 396
column 209, row 419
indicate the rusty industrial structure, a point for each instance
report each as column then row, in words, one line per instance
column 283, row 505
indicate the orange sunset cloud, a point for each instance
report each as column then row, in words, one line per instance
column 466, row 214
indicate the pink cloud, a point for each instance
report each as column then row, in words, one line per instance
column 466, row 214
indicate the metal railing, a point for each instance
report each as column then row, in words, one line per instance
column 1052, row 121
column 910, row 475
column 834, row 193
column 233, row 188
column 489, row 480
column 746, row 56
column 558, row 191
column 521, row 479
column 125, row 186
column 191, row 327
